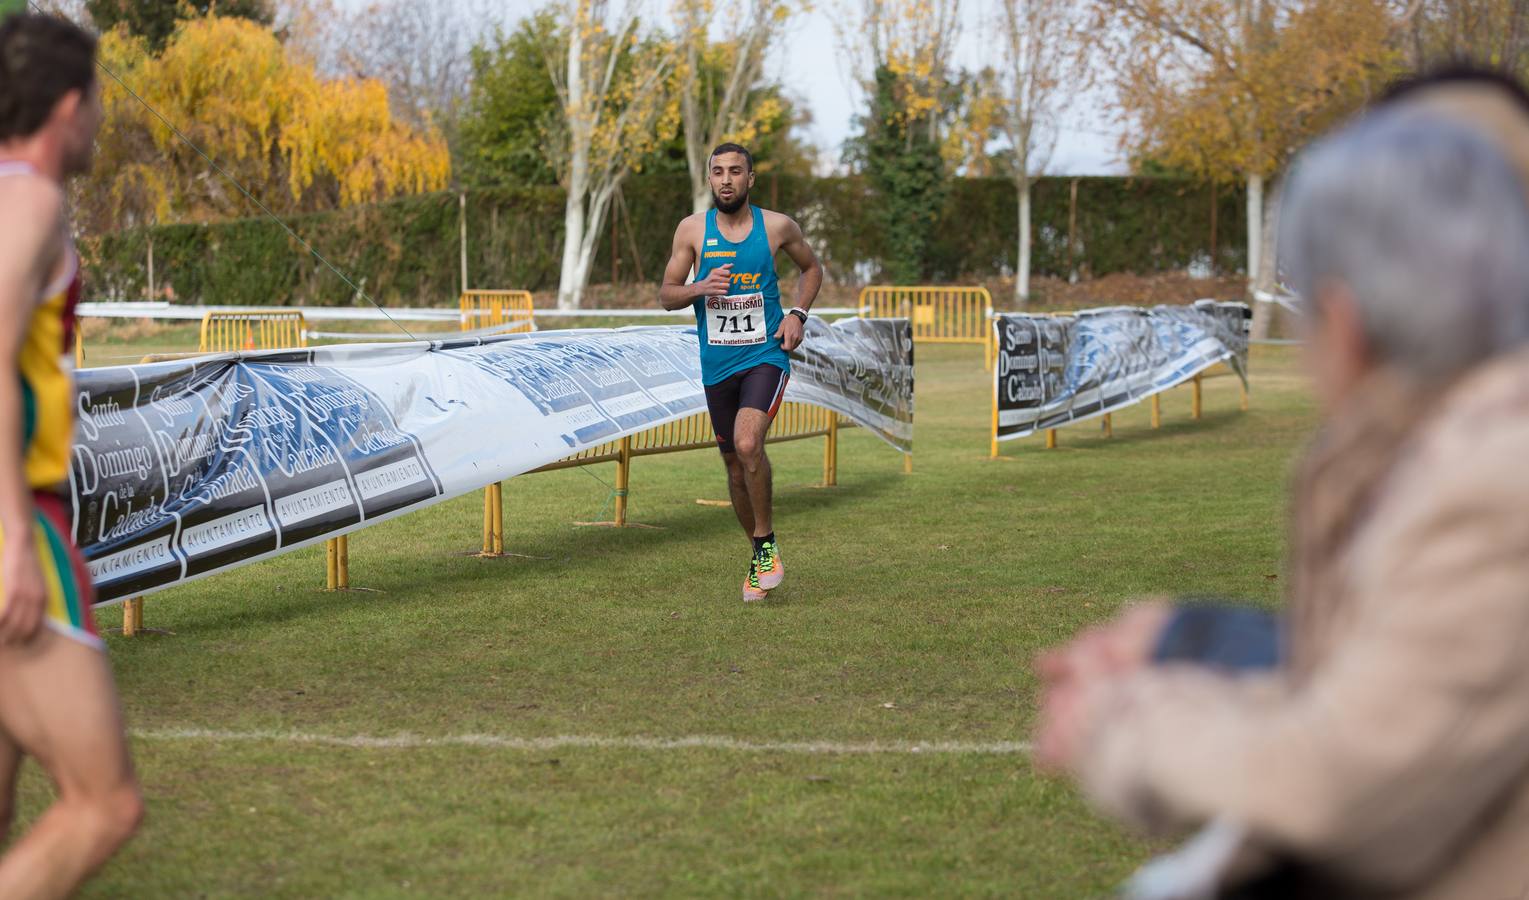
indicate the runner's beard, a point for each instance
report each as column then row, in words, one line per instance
column 739, row 199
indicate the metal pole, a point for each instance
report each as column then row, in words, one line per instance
column 623, row 478
column 1195, row 405
column 462, row 228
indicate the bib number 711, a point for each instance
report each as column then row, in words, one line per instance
column 735, row 320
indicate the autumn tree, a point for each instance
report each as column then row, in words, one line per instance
column 1489, row 32
column 512, row 105
column 422, row 52
column 296, row 141
column 156, row 20
column 1230, row 89
column 722, row 92
column 618, row 102
column 901, row 47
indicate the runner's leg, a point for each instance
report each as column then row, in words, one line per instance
column 10, row 765
column 738, row 490
column 58, row 703
column 722, row 403
column 760, row 398
column 749, row 437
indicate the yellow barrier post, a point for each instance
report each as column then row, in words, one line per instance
column 1157, row 410
column 993, row 434
column 795, row 421
column 1051, row 439
column 509, row 312
column 831, row 451
column 1195, row 401
column 623, row 479
column 1109, row 425
column 493, row 521
column 337, row 559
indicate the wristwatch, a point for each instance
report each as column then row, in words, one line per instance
column 799, row 313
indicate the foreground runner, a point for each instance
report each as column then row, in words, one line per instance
column 57, row 700
column 744, row 337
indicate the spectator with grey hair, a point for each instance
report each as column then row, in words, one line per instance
column 1383, row 750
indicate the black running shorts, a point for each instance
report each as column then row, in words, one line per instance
column 758, row 388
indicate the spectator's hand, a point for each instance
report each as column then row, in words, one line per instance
column 1118, row 647
column 1078, row 677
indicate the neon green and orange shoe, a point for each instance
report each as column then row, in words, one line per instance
column 771, row 570
column 751, row 589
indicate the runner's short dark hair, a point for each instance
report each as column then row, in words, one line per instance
column 730, row 147
column 42, row 58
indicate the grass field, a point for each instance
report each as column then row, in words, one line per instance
column 911, row 610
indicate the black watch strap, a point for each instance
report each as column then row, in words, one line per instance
column 799, row 314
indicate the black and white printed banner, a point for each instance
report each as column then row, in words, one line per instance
column 1053, row 370
column 190, row 467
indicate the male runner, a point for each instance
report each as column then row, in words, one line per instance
column 57, row 701
column 744, row 336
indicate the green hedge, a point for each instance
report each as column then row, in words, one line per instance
column 406, row 251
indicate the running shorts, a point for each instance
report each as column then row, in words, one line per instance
column 758, row 388
column 70, row 594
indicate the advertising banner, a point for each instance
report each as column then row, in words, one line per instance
column 1053, row 370
column 189, row 467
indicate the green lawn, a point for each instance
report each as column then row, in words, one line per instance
column 911, row 609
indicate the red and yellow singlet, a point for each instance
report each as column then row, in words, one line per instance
column 45, row 367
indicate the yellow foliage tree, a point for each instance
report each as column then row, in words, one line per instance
column 913, row 40
column 296, row 141
column 716, row 80
column 619, row 102
column 1230, row 89
column 1490, row 32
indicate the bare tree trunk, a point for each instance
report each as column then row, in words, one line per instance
column 1022, row 270
column 1264, row 278
column 1255, row 226
column 571, row 279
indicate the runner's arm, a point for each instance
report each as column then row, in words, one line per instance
column 811, row 280
column 29, row 251
column 791, row 330
column 674, row 293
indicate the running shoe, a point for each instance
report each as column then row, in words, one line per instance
column 751, row 589
column 771, row 570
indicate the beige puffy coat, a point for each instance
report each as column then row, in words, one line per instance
column 1392, row 752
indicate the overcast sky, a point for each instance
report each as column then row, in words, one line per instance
column 809, row 63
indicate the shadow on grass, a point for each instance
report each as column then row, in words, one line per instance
column 551, row 557
column 1072, row 437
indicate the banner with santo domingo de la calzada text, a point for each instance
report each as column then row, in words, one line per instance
column 1053, row 370
column 189, row 467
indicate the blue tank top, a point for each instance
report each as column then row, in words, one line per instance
column 737, row 332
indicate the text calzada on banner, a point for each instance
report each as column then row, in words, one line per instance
column 185, row 468
column 1053, row 370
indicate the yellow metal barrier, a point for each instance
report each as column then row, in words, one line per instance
column 794, row 422
column 515, row 312
column 1107, row 425
column 485, row 309
column 940, row 315
column 233, row 331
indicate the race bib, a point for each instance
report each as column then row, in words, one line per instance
column 735, row 320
